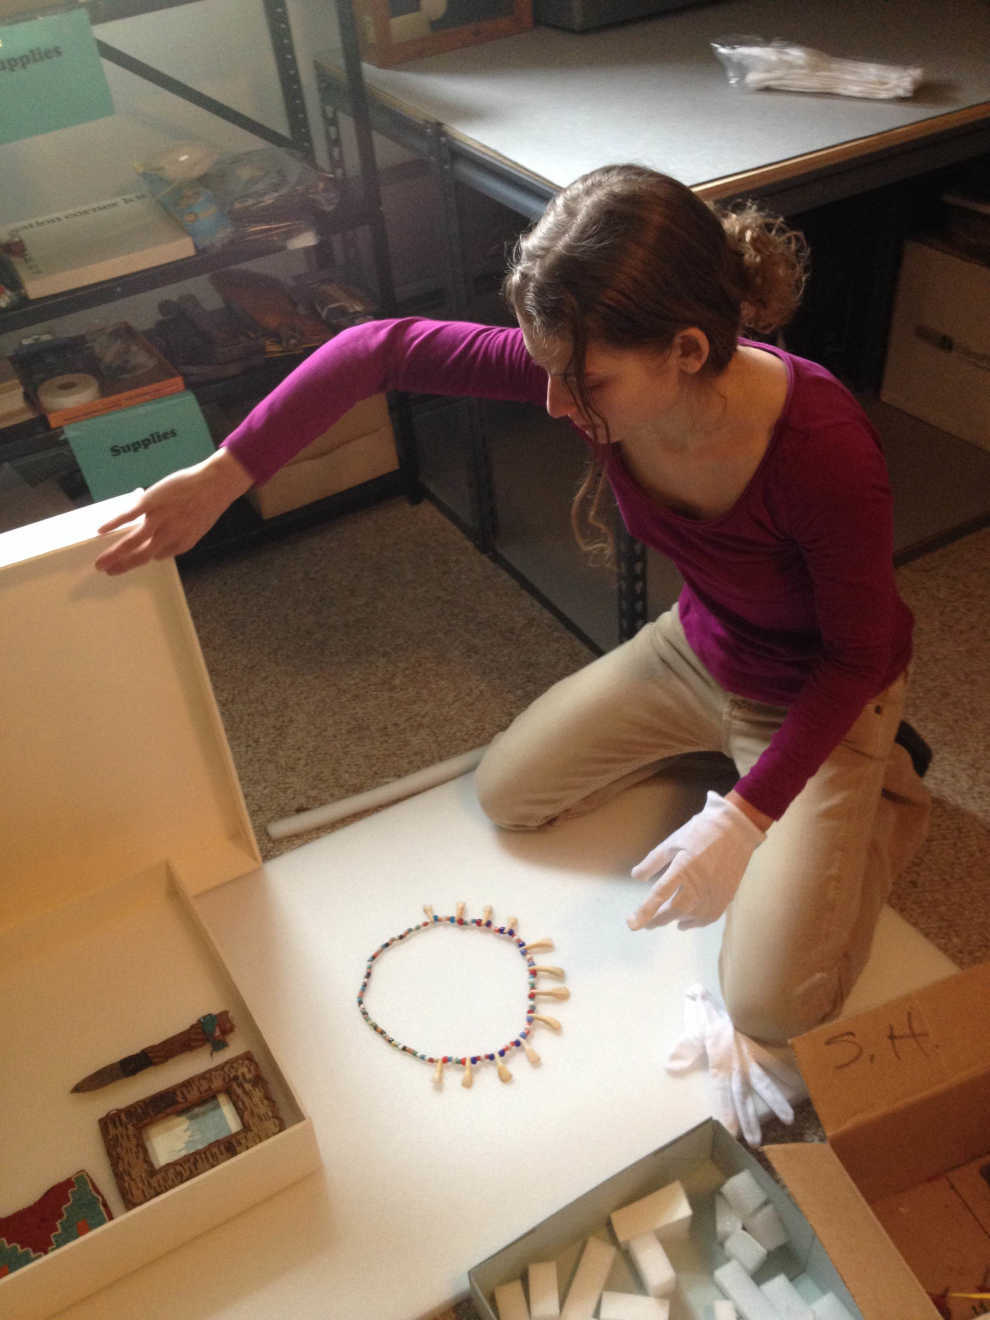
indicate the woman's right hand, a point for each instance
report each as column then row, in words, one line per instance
column 172, row 515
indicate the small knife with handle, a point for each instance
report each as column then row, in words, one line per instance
column 211, row 1029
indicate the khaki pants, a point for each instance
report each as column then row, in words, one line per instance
column 799, row 929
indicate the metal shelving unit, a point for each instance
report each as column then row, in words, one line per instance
column 359, row 208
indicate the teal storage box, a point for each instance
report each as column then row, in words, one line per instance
column 119, row 451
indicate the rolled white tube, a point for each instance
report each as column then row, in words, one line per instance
column 394, row 791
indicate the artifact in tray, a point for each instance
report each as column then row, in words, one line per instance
column 172, row 1136
column 64, row 1212
column 211, row 1029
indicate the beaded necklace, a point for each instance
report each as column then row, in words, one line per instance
column 468, row 1062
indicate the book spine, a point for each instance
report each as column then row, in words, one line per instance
column 63, row 281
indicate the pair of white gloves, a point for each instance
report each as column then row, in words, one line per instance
column 695, row 872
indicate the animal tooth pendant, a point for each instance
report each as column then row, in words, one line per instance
column 503, row 1073
column 468, row 1079
column 532, row 1055
column 553, row 992
column 557, row 972
column 550, row 1022
column 537, row 945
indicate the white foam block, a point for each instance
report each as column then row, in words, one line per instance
column 745, row 1296
column 652, row 1265
column 589, row 1280
column 630, row 1306
column 745, row 1249
column 723, row 1310
column 743, row 1193
column 510, row 1301
column 828, row 1307
column 767, row 1227
column 807, row 1287
column 666, row 1212
column 544, row 1297
column 785, row 1297
column 726, row 1219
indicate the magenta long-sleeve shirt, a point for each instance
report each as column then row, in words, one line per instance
column 789, row 598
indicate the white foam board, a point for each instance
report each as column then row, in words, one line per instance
column 481, row 1166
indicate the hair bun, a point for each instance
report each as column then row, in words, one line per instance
column 774, row 263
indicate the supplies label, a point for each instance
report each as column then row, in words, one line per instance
column 51, row 76
column 119, row 451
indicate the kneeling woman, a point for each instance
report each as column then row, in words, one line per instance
column 759, row 476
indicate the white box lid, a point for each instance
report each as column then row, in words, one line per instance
column 113, row 755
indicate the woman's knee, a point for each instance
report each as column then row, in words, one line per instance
column 501, row 798
column 776, row 1014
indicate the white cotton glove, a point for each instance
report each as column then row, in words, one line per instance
column 743, row 1072
column 697, row 869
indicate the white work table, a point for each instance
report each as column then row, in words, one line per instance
column 419, row 1185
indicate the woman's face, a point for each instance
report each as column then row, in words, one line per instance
column 631, row 391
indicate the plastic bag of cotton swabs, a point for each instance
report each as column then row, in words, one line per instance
column 753, row 63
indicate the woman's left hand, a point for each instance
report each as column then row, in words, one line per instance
column 697, row 869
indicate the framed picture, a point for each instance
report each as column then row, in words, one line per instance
column 169, row 1137
column 393, row 31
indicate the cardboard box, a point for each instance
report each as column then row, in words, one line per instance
column 900, row 1194
column 702, row 1159
column 120, row 804
column 938, row 355
column 358, row 448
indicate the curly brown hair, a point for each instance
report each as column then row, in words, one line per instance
column 628, row 257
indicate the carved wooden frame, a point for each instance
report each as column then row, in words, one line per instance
column 138, row 1180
